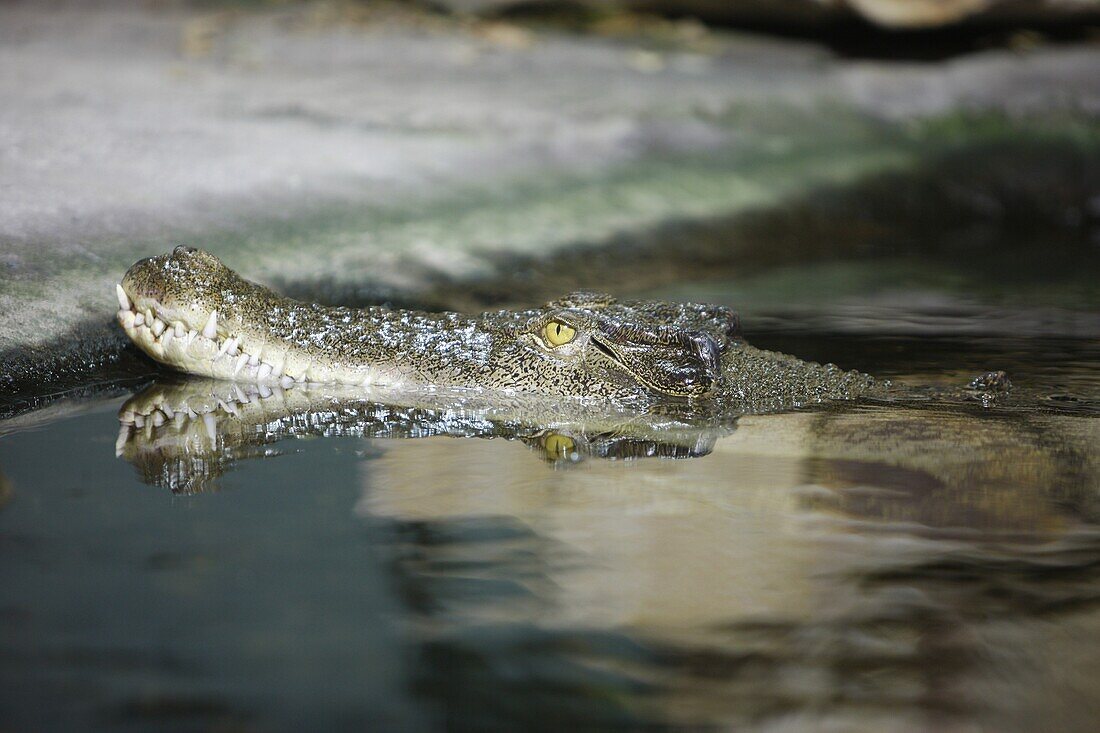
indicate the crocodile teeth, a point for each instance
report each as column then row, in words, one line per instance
column 265, row 391
column 210, row 330
column 264, row 372
column 228, row 347
column 190, row 337
column 179, row 329
column 158, row 327
column 123, row 299
column 123, row 437
column 286, row 381
column 157, row 418
column 241, row 361
column 211, row 426
column 126, row 318
column 139, row 320
column 166, row 338
column 254, row 359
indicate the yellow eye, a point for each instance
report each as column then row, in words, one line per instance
column 558, row 446
column 557, row 333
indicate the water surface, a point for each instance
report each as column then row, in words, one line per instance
column 868, row 567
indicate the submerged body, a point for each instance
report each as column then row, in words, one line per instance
column 189, row 311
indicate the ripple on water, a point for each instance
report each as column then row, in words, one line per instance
column 886, row 567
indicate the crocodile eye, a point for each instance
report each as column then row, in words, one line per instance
column 557, row 333
column 558, row 446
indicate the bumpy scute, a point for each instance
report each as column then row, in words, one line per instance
column 191, row 312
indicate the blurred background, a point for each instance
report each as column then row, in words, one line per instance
column 827, row 165
column 906, row 187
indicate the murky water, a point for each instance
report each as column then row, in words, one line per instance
column 307, row 565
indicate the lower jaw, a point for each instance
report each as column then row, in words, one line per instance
column 189, row 351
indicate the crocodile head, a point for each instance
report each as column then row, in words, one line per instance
column 667, row 349
column 190, row 311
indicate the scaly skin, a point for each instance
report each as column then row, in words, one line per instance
column 189, row 311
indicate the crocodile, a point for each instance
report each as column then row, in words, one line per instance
column 189, row 311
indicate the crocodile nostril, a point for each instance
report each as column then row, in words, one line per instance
column 184, row 249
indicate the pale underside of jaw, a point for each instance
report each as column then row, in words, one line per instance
column 211, row 352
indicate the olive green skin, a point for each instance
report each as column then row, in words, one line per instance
column 209, row 321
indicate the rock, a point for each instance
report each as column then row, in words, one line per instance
column 811, row 13
column 393, row 157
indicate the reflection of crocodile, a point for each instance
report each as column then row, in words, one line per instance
column 867, row 567
column 188, row 310
column 183, row 435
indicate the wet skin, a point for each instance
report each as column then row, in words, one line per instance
column 189, row 311
column 583, row 376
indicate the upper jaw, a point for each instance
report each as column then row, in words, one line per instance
column 212, row 348
column 166, row 334
column 148, row 310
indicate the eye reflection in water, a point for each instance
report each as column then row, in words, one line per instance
column 888, row 568
column 182, row 434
